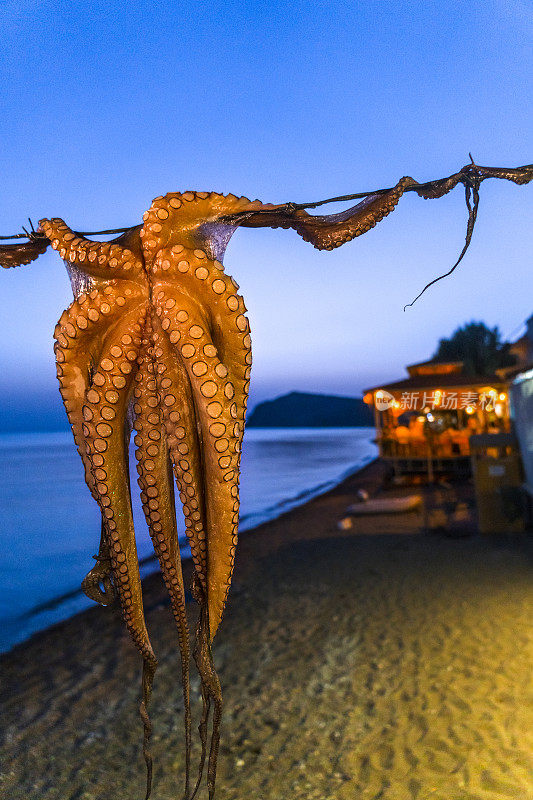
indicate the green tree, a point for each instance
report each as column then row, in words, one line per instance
column 479, row 347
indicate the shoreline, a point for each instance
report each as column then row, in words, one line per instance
column 381, row 661
column 151, row 562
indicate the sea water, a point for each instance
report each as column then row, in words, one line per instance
column 50, row 525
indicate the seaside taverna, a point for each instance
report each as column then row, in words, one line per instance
column 427, row 419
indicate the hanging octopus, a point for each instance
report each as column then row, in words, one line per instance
column 157, row 341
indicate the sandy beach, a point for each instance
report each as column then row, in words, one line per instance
column 382, row 662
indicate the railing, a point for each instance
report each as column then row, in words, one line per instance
column 458, row 447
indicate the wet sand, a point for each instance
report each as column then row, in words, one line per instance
column 384, row 662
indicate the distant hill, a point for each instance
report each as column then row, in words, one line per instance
column 305, row 410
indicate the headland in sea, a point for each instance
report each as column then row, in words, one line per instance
column 384, row 661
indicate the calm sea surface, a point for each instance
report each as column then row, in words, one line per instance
column 50, row 526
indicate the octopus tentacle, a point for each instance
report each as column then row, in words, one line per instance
column 221, row 436
column 157, row 495
column 78, row 343
column 518, row 175
column 216, row 293
column 98, row 584
column 202, row 322
column 77, row 348
column 104, row 412
column 206, row 317
column 326, row 232
column 211, row 692
column 98, row 259
column 181, row 428
column 438, row 188
column 185, row 449
column 15, row 255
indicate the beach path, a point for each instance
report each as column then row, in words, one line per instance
column 379, row 663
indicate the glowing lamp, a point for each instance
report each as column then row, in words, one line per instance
column 470, row 409
column 503, row 396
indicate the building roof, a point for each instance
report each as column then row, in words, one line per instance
column 435, row 367
column 449, row 381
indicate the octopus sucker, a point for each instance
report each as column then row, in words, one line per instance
column 157, row 338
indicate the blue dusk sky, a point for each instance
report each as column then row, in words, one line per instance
column 106, row 105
